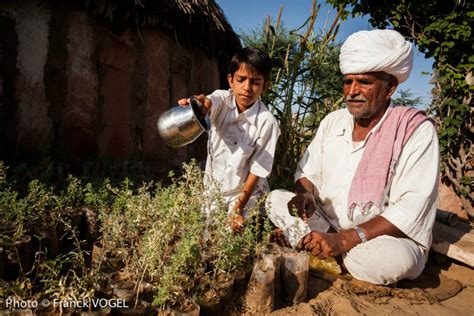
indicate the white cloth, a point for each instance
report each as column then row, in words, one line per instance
column 377, row 50
column 385, row 260
column 239, row 143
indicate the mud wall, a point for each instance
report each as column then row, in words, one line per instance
column 82, row 90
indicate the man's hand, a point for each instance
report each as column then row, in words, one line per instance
column 304, row 203
column 322, row 245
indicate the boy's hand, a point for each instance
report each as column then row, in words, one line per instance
column 201, row 98
column 183, row 102
column 236, row 221
column 235, row 217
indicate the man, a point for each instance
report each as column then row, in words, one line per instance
column 371, row 172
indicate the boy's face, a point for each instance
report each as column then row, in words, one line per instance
column 248, row 86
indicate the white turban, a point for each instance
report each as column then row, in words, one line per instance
column 377, row 50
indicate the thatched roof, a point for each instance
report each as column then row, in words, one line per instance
column 191, row 22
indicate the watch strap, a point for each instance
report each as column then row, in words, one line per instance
column 361, row 234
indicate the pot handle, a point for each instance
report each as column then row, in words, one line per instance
column 198, row 107
column 198, row 104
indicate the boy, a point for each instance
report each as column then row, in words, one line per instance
column 243, row 133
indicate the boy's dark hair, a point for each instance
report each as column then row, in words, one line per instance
column 256, row 59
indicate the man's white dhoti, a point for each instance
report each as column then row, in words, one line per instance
column 385, row 260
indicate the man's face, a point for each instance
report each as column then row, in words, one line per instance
column 248, row 85
column 367, row 95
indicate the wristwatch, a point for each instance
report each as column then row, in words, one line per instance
column 361, row 234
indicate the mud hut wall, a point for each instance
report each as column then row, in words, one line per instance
column 90, row 91
column 78, row 125
column 8, row 73
column 205, row 79
column 116, row 67
column 34, row 125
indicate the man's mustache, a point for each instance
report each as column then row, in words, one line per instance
column 355, row 99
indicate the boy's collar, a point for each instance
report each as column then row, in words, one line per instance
column 250, row 114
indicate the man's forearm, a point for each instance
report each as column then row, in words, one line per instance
column 379, row 226
column 333, row 244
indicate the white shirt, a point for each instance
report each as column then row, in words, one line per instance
column 330, row 163
column 240, row 143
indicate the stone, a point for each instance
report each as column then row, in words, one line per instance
column 449, row 201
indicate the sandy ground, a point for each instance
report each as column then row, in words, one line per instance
column 445, row 288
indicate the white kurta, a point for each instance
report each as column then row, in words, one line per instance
column 410, row 199
column 330, row 163
column 240, row 143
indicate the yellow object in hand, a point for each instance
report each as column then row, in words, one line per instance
column 328, row 265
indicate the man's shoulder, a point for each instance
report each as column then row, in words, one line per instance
column 426, row 130
column 337, row 114
column 336, row 118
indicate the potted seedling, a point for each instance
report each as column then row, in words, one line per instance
column 42, row 210
column 71, row 200
column 96, row 200
column 15, row 244
column 67, row 278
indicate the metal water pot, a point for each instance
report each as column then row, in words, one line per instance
column 180, row 125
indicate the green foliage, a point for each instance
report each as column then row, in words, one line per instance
column 169, row 237
column 41, row 203
column 65, row 277
column 443, row 30
column 306, row 86
column 38, row 205
column 72, row 196
column 3, row 174
column 178, row 244
column 406, row 98
column 97, row 197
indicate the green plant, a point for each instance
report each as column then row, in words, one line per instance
column 41, row 204
column 3, row 174
column 226, row 252
column 170, row 249
column 73, row 195
column 98, row 197
column 12, row 210
column 178, row 243
column 405, row 97
column 162, row 234
column 67, row 277
column 20, row 289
